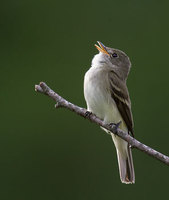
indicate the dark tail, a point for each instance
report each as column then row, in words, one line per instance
column 126, row 167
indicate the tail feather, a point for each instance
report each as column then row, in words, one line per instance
column 126, row 167
column 125, row 161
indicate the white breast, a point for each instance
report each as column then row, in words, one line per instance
column 98, row 96
column 94, row 91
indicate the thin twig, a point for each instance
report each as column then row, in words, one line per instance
column 61, row 102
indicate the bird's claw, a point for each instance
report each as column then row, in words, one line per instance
column 87, row 114
column 115, row 126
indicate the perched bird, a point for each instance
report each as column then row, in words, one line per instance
column 107, row 97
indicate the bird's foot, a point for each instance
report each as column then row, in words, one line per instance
column 115, row 126
column 88, row 114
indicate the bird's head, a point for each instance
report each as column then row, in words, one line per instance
column 115, row 59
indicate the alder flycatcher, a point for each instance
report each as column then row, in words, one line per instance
column 107, row 97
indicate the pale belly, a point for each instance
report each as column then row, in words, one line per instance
column 99, row 101
column 98, row 97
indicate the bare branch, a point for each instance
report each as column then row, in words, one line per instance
column 61, row 102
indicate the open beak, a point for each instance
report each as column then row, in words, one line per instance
column 101, row 48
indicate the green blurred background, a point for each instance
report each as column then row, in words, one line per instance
column 50, row 154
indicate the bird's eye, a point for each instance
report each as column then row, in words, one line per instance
column 114, row 55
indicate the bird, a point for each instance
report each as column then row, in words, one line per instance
column 106, row 95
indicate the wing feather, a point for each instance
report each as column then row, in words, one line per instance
column 119, row 93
